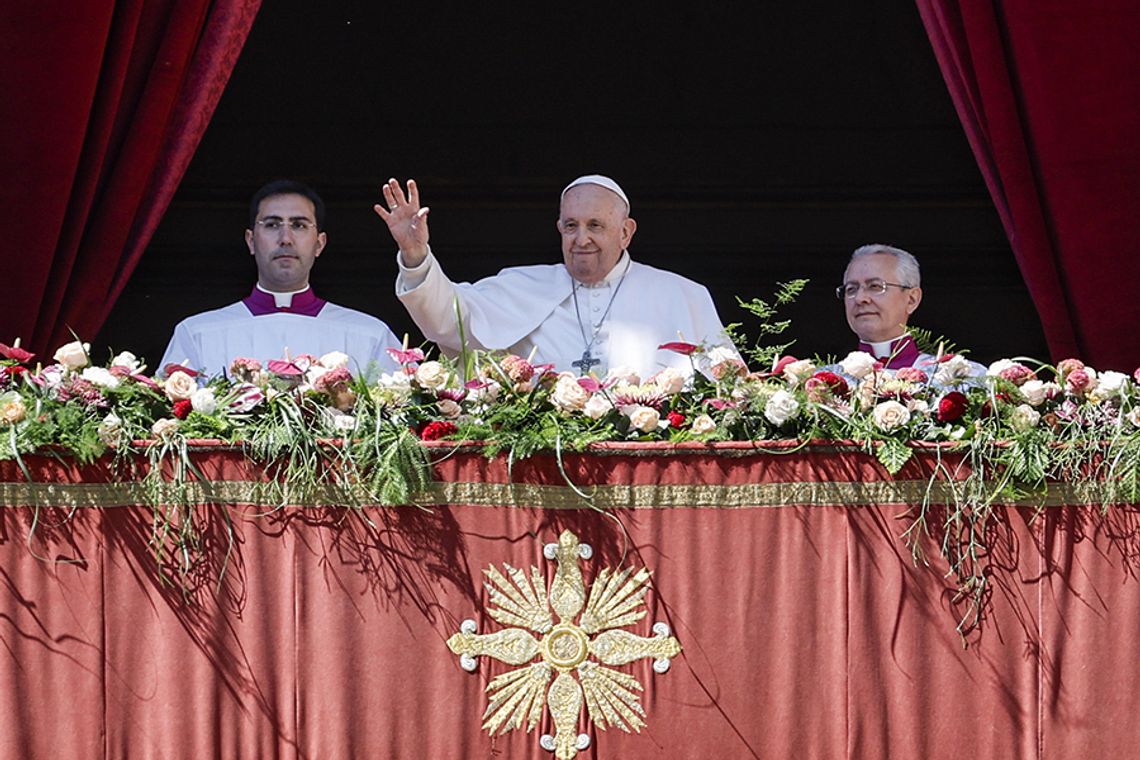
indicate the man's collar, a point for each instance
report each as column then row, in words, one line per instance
column 897, row 353
column 616, row 273
column 304, row 302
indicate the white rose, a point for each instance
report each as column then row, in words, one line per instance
column 1024, row 417
column 73, row 355
column 568, row 395
column 1034, row 392
column 203, row 401
column 313, row 373
column 781, row 407
column 432, row 375
column 798, row 371
column 486, row 394
column 643, row 418
column 110, row 429
column 179, row 386
column 623, row 375
column 889, row 415
column 448, row 408
column 334, row 360
column 1110, row 383
column 399, row 380
column 670, row 380
column 917, row 406
column 999, row 366
column 955, row 368
column 858, row 364
column 597, row 406
column 128, row 360
column 1134, row 416
column 164, row 428
column 101, row 377
column 340, row 422
column 703, row 424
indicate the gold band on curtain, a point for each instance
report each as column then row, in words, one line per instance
column 646, row 496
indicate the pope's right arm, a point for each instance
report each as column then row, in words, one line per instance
column 431, row 299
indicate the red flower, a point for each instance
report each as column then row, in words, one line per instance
column 679, row 347
column 15, row 353
column 952, row 406
column 183, row 408
column 433, row 431
column 170, row 369
column 408, row 356
column 835, row 384
column 676, row 419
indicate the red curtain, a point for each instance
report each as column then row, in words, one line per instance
column 103, row 106
column 808, row 629
column 1048, row 92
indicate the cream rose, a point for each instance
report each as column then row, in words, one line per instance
column 799, row 371
column 73, row 355
column 670, row 380
column 1134, row 416
column 889, row 415
column 858, row 364
column 781, row 407
column 12, row 408
column 568, row 395
column 448, row 408
column 597, row 406
column 703, row 424
column 643, row 418
column 179, row 386
column 1024, row 417
column 164, row 428
column 1111, row 383
column 432, row 375
column 1034, row 392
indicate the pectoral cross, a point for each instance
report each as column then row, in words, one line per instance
column 586, row 362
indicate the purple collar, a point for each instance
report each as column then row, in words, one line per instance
column 304, row 303
column 904, row 352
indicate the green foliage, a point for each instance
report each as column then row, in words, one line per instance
column 758, row 353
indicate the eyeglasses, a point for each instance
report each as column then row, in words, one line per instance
column 299, row 226
column 874, row 288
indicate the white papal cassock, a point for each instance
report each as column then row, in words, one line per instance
column 527, row 308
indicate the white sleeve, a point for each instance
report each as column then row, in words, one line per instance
column 182, row 349
column 430, row 298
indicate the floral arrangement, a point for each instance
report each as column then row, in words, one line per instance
column 1020, row 422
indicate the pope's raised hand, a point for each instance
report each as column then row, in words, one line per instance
column 406, row 220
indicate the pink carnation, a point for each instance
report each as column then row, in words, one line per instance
column 912, row 375
column 1066, row 366
column 1077, row 380
column 1017, row 373
column 518, row 369
column 333, row 378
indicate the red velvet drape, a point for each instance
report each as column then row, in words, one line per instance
column 103, row 105
column 1048, row 92
column 808, row 629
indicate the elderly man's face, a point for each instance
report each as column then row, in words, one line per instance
column 595, row 230
column 285, row 255
column 876, row 318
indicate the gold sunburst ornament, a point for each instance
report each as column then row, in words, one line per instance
column 516, row 698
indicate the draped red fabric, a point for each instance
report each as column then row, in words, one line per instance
column 104, row 104
column 1049, row 97
column 808, row 628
